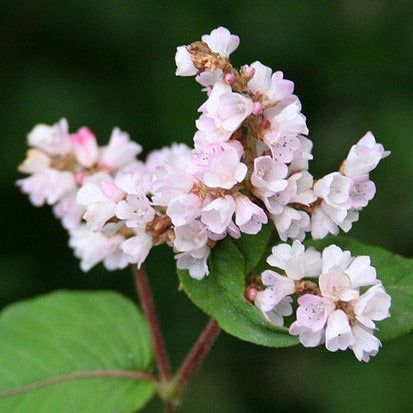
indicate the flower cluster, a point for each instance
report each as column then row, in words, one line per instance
column 250, row 158
column 101, row 194
column 248, row 166
column 332, row 308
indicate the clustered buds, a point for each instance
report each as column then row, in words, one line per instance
column 249, row 165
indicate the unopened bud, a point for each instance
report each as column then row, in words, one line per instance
column 249, row 71
column 80, row 176
column 256, row 108
column 250, row 294
column 229, row 78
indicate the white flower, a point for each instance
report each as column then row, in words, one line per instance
column 49, row 186
column 36, row 161
column 136, row 210
column 303, row 193
column 295, row 260
column 362, row 191
column 358, row 269
column 366, row 344
column 364, row 156
column 286, row 117
column 170, row 183
column 249, row 216
column 195, row 262
column 291, row 223
column 52, row 139
column 184, row 209
column 190, row 237
column 85, row 147
column 225, row 170
column 268, row 176
column 312, row 315
column 217, row 214
column 276, row 315
column 184, row 64
column 260, row 83
column 335, row 284
column 137, row 247
column 302, row 156
column 178, row 155
column 221, row 41
column 99, row 195
column 283, row 148
column 374, row 305
column 208, row 78
column 120, row 151
column 93, row 247
column 338, row 332
column 223, row 113
column 278, row 287
column 334, row 188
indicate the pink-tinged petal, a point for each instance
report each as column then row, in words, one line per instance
column 119, row 152
column 308, row 338
column 338, row 332
column 54, row 140
column 361, row 192
column 190, row 236
column 249, row 216
column 36, row 161
column 184, row 64
column 184, row 209
column 373, row 305
column 137, row 247
column 85, row 147
column 221, row 41
column 336, row 285
column 261, row 81
column 313, row 311
column 111, row 191
column 366, row 344
column 195, row 262
column 361, row 272
column 334, row 256
column 364, row 156
column 218, row 214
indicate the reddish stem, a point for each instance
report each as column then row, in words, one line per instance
column 198, row 352
column 170, row 408
column 149, row 310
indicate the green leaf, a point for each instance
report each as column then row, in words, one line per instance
column 253, row 247
column 221, row 296
column 47, row 344
column 395, row 272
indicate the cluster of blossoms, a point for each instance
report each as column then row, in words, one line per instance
column 101, row 194
column 249, row 165
column 331, row 307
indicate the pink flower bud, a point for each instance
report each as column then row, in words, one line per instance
column 250, row 294
column 85, row 147
column 229, row 78
column 80, row 176
column 249, row 71
column 256, row 108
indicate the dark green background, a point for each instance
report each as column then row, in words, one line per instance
column 111, row 63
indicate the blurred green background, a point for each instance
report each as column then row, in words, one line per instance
column 108, row 63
